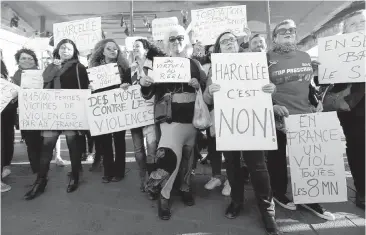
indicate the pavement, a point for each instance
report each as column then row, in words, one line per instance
column 121, row 209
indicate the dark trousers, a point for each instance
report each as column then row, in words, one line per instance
column 257, row 167
column 354, row 131
column 49, row 144
column 7, row 136
column 33, row 140
column 120, row 153
column 277, row 165
column 214, row 155
column 84, row 139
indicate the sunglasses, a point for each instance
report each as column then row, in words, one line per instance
column 180, row 38
column 226, row 41
column 284, row 31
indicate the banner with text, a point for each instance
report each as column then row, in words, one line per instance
column 209, row 23
column 171, row 69
column 32, row 79
column 342, row 58
column 85, row 33
column 118, row 109
column 104, row 76
column 244, row 117
column 53, row 109
column 316, row 153
column 161, row 26
column 8, row 92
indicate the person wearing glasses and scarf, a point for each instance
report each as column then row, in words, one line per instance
column 291, row 97
column 178, row 136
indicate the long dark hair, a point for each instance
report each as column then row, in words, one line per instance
column 4, row 70
column 56, row 54
column 217, row 48
column 153, row 51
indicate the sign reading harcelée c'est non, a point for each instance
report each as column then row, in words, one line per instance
column 209, row 23
column 342, row 58
column 84, row 33
column 244, row 117
column 315, row 152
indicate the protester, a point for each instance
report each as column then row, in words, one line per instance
column 177, row 141
column 67, row 73
column 291, row 97
column 27, row 60
column 144, row 53
column 227, row 42
column 105, row 52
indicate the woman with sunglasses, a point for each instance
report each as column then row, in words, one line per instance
column 292, row 97
column 227, row 43
column 176, row 145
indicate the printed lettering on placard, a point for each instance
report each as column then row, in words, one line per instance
column 316, row 152
column 342, row 58
column 244, row 117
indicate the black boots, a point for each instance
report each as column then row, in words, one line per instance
column 73, row 183
column 270, row 225
column 187, row 198
column 37, row 189
column 164, row 208
column 233, row 210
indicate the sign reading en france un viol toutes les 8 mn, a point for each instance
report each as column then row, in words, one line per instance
column 118, row 109
column 84, row 33
column 244, row 117
column 45, row 109
column 342, row 58
column 8, row 92
column 209, row 23
column 315, row 152
column 104, row 76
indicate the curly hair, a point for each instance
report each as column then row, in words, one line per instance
column 97, row 56
column 28, row 52
column 152, row 50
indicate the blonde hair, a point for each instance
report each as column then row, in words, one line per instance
column 188, row 49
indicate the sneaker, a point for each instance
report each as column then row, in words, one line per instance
column 283, row 201
column 6, row 171
column 227, row 189
column 60, row 162
column 5, row 187
column 90, row 157
column 213, row 183
column 319, row 211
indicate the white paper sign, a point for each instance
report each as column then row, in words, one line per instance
column 118, row 109
column 171, row 69
column 244, row 117
column 8, row 92
column 104, row 76
column 342, row 58
column 209, row 23
column 316, row 158
column 85, row 33
column 32, row 79
column 161, row 26
column 53, row 109
column 129, row 41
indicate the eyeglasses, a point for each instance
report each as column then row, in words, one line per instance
column 226, row 41
column 180, row 38
column 27, row 58
column 284, row 31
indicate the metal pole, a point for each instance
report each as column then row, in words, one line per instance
column 131, row 20
column 268, row 24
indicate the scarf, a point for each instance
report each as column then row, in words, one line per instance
column 53, row 72
column 17, row 78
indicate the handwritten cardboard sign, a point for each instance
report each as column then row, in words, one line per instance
column 161, row 26
column 244, row 117
column 85, row 33
column 171, row 69
column 315, row 151
column 118, row 109
column 129, row 41
column 209, row 23
column 32, row 79
column 52, row 109
column 8, row 92
column 104, row 76
column 342, row 58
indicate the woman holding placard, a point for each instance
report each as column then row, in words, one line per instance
column 227, row 42
column 174, row 110
column 144, row 53
column 105, row 52
column 66, row 72
column 27, row 60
